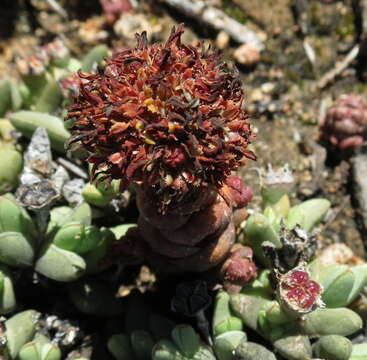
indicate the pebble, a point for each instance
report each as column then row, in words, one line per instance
column 268, row 87
column 129, row 23
column 247, row 55
column 222, row 40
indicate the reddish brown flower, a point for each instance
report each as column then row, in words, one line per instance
column 166, row 116
column 298, row 292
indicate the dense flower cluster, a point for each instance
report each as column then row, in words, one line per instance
column 166, row 116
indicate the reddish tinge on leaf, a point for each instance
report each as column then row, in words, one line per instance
column 166, row 116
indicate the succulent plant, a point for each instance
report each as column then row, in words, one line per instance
column 11, row 166
column 40, row 348
column 179, row 162
column 359, row 352
column 333, row 347
column 345, row 123
column 223, row 319
column 298, row 297
column 71, row 248
column 28, row 121
column 19, row 330
column 281, row 235
column 167, row 122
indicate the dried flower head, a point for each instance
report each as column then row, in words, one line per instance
column 167, row 117
column 298, row 292
column 345, row 124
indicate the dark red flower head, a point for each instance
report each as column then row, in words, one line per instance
column 167, row 116
column 298, row 292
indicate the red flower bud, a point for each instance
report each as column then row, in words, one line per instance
column 239, row 269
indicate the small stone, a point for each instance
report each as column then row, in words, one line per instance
column 267, row 88
column 256, row 96
column 129, row 24
column 247, row 55
column 222, row 40
column 338, row 254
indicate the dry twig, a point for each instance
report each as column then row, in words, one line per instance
column 217, row 19
column 340, row 67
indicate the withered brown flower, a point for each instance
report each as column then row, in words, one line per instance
column 165, row 116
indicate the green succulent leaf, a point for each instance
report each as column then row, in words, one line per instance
column 186, row 340
column 248, row 308
column 225, row 344
column 91, row 237
column 7, row 295
column 204, row 353
column 120, row 230
column 94, row 257
column 73, row 65
column 60, row 265
column 50, row 352
column 260, row 287
column 359, row 352
column 360, row 281
column 81, row 213
column 166, row 350
column 258, row 229
column 5, row 96
column 333, row 347
column 337, row 293
column 94, row 56
column 294, row 347
column 28, row 121
column 58, row 215
column 142, row 343
column 11, row 167
column 223, row 320
column 339, row 321
column 253, row 351
column 30, row 351
column 14, row 218
column 50, row 98
column 97, row 196
column 20, row 329
column 15, row 250
column 69, row 236
column 342, row 284
column 308, row 214
column 16, row 97
column 119, row 346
